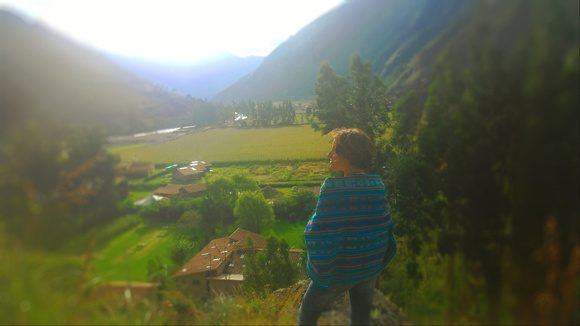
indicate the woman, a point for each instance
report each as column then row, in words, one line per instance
column 349, row 238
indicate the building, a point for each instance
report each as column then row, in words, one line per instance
column 186, row 174
column 218, row 267
column 136, row 169
column 180, row 191
column 194, row 170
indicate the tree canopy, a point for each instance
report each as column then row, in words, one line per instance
column 358, row 100
column 253, row 212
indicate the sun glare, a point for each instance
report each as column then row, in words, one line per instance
column 177, row 30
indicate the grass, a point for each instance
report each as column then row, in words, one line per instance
column 292, row 232
column 287, row 173
column 130, row 243
column 137, row 195
column 233, row 145
column 128, row 247
column 126, row 256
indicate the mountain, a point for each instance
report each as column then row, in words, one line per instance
column 388, row 33
column 202, row 80
column 46, row 73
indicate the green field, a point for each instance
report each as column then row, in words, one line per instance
column 292, row 232
column 233, row 145
column 126, row 256
column 292, row 173
column 283, row 157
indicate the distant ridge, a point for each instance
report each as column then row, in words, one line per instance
column 202, row 80
column 48, row 73
column 388, row 33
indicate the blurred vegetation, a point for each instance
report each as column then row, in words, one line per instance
column 296, row 205
column 486, row 156
column 269, row 270
column 56, row 183
column 253, row 212
column 480, row 154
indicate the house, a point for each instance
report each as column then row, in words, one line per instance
column 218, row 267
column 177, row 190
column 186, row 174
column 195, row 170
column 139, row 169
column 136, row 169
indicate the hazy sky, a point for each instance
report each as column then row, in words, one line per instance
column 177, row 30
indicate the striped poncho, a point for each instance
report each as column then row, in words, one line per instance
column 349, row 237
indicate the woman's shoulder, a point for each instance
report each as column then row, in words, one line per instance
column 354, row 181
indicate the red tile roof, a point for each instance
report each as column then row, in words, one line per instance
column 187, row 171
column 241, row 235
column 217, row 251
column 175, row 189
column 209, row 258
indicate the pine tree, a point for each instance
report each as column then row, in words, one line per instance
column 358, row 100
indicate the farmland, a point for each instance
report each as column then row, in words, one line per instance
column 270, row 156
column 126, row 256
column 281, row 157
column 233, row 145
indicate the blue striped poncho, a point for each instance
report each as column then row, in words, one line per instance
column 350, row 235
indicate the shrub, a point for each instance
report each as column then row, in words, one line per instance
column 181, row 250
column 299, row 204
column 253, row 211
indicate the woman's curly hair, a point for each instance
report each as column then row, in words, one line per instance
column 354, row 145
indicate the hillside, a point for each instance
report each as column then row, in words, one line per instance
column 202, row 80
column 45, row 72
column 387, row 33
column 281, row 308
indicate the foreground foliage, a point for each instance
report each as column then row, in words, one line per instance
column 483, row 165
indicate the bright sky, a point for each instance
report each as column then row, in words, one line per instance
column 177, row 30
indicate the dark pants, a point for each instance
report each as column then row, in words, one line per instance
column 317, row 300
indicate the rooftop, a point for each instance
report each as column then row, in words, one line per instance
column 217, row 251
column 175, row 189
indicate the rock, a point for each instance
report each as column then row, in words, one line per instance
column 383, row 312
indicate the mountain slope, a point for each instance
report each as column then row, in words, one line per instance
column 62, row 79
column 388, row 33
column 202, row 80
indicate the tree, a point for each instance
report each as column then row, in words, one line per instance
column 253, row 212
column 243, row 183
column 287, row 112
column 331, row 107
column 56, row 182
column 492, row 157
column 220, row 197
column 367, row 98
column 269, row 270
column 359, row 100
column 298, row 205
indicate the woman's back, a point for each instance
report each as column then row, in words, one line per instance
column 349, row 237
